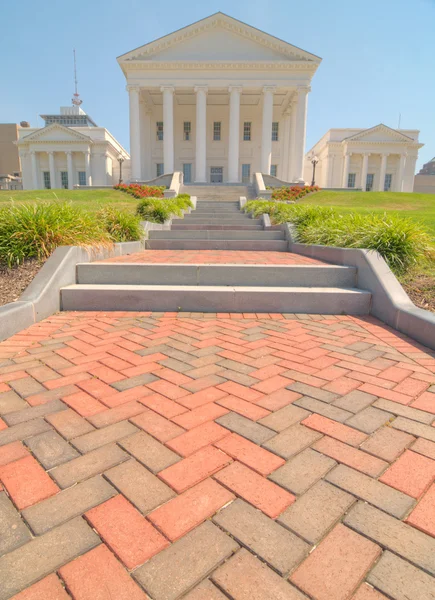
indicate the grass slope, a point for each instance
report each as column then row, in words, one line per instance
column 92, row 200
column 420, row 207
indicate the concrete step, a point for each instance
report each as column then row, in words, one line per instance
column 248, row 245
column 195, row 227
column 88, row 297
column 227, row 214
column 208, row 210
column 222, row 222
column 216, row 235
column 216, row 274
column 224, row 217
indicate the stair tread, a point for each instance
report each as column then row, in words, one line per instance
column 216, row 288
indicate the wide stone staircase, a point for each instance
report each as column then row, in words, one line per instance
column 219, row 192
column 217, row 226
column 276, row 283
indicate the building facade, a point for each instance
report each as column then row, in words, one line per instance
column 69, row 151
column 375, row 159
column 10, row 164
column 218, row 100
column 424, row 182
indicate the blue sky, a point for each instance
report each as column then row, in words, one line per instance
column 378, row 57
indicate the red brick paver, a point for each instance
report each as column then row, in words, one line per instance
column 226, row 257
column 218, row 445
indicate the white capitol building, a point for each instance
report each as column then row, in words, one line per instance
column 218, row 101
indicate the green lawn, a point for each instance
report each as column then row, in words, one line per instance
column 92, row 200
column 420, row 207
column 417, row 206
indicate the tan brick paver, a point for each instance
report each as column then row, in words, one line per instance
column 165, row 456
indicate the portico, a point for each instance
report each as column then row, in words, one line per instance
column 375, row 159
column 218, row 100
column 57, row 156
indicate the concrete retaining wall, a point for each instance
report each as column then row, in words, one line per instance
column 42, row 297
column 390, row 303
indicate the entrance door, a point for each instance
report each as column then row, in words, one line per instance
column 187, row 172
column 216, row 174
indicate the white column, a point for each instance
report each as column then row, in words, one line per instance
column 88, row 167
column 134, row 93
column 34, row 170
column 69, row 163
column 52, row 170
column 286, row 147
column 400, row 173
column 266, row 137
column 168, row 128
column 108, row 169
column 364, row 169
column 292, row 142
column 234, row 134
column 201, row 134
column 346, row 164
column 300, row 133
column 327, row 167
column 382, row 172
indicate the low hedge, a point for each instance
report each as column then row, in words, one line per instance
column 159, row 210
column 401, row 241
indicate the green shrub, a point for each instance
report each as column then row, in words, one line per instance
column 36, row 230
column 121, row 225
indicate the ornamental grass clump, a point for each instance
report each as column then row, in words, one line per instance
column 36, row 230
column 121, row 225
column 401, row 241
column 159, row 210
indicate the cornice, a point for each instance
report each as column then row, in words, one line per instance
column 220, row 22
column 146, row 65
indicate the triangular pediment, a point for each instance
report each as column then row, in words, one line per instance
column 218, row 38
column 56, row 133
column 379, row 133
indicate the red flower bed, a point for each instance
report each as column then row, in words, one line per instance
column 293, row 193
column 141, row 191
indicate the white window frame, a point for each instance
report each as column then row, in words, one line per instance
column 159, row 131
column 247, row 131
column 351, row 180
column 389, row 178
column 187, row 131
column 246, row 173
column 64, row 179
column 217, row 131
column 274, row 170
column 371, row 178
column 190, row 168
column 47, row 180
column 275, row 131
column 81, row 175
column 160, row 169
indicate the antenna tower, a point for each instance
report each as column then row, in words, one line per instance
column 76, row 98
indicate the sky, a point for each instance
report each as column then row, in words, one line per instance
column 378, row 57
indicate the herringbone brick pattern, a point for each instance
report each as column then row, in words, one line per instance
column 205, row 457
column 226, row 257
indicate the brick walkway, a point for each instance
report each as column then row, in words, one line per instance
column 207, row 457
column 226, row 257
